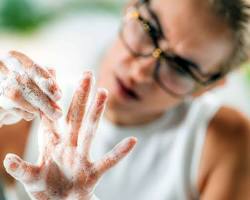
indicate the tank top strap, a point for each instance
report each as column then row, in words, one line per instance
column 202, row 111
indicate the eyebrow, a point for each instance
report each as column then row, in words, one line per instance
column 159, row 27
column 156, row 19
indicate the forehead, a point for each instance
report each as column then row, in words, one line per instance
column 194, row 32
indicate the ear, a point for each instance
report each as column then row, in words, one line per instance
column 219, row 83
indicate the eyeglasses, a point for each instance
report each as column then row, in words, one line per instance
column 141, row 33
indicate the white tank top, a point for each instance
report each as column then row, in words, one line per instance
column 163, row 166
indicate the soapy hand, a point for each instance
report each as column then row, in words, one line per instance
column 65, row 169
column 26, row 89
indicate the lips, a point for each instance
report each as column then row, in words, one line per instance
column 126, row 91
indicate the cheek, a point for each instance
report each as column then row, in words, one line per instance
column 161, row 101
column 107, row 66
column 105, row 76
column 111, row 58
column 116, row 50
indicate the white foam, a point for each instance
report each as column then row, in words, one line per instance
column 12, row 64
column 7, row 105
column 36, row 101
column 2, row 77
column 44, row 85
column 75, row 196
column 5, row 102
column 18, row 172
column 9, row 117
column 38, row 186
column 16, row 68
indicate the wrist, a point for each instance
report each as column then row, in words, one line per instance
column 75, row 196
column 94, row 198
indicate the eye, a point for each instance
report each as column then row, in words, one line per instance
column 154, row 31
column 179, row 69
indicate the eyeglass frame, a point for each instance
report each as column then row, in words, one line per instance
column 155, row 32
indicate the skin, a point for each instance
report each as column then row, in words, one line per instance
column 224, row 169
column 13, row 142
column 65, row 169
column 208, row 47
column 29, row 79
column 202, row 46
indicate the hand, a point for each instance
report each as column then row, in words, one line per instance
column 26, row 89
column 65, row 169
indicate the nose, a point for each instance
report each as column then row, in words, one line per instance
column 142, row 69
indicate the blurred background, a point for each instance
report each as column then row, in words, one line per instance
column 71, row 35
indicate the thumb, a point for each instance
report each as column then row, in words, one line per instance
column 19, row 169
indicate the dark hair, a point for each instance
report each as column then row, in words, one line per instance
column 236, row 13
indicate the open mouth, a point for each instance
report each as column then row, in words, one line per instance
column 125, row 91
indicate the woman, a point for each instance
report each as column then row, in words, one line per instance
column 168, row 54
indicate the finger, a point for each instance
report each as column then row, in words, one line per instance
column 49, row 138
column 77, row 108
column 50, row 126
column 41, row 76
column 3, row 74
column 3, row 69
column 87, row 134
column 37, row 98
column 16, row 95
column 27, row 63
column 52, row 72
column 114, row 156
column 29, row 98
column 14, row 115
column 9, row 118
column 20, row 170
column 46, row 82
column 24, row 114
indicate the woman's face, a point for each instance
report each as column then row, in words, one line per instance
column 193, row 32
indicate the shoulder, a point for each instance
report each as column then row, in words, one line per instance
column 229, row 127
column 228, row 135
column 226, row 149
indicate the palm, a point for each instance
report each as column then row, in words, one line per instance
column 64, row 169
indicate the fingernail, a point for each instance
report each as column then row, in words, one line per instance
column 133, row 140
column 103, row 90
column 103, row 93
column 87, row 73
column 11, row 163
column 55, row 91
column 51, row 87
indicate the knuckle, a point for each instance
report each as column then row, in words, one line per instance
column 41, row 71
column 25, row 80
column 25, row 60
column 108, row 162
column 22, row 79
